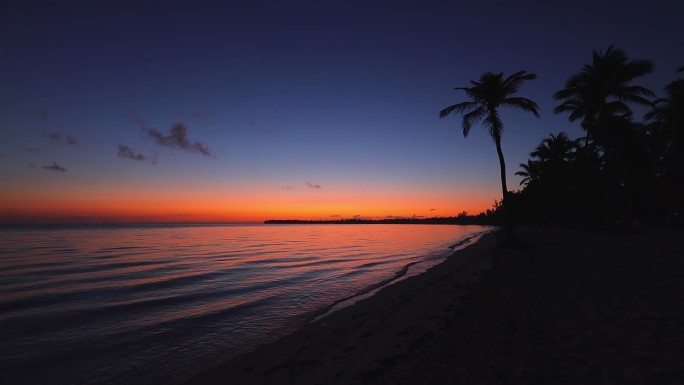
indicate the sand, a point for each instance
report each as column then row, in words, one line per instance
column 569, row 308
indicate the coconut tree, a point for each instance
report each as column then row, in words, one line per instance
column 667, row 142
column 530, row 171
column 487, row 95
column 555, row 149
column 600, row 96
column 602, row 91
column 668, row 116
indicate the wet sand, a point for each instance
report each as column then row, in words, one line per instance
column 569, row 308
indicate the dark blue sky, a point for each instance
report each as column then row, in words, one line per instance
column 287, row 95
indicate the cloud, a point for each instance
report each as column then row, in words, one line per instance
column 335, row 216
column 43, row 115
column 32, row 165
column 288, row 187
column 57, row 137
column 204, row 116
column 30, row 149
column 178, row 139
column 127, row 152
column 432, row 209
column 254, row 124
column 314, row 186
column 140, row 122
column 55, row 167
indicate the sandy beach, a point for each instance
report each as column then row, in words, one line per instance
column 569, row 308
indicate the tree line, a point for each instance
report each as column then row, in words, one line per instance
column 624, row 171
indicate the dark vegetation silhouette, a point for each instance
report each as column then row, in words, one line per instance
column 488, row 94
column 624, row 172
column 485, row 218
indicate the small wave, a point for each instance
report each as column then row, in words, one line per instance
column 372, row 264
column 399, row 275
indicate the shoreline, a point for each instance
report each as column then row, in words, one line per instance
column 466, row 265
column 571, row 307
column 404, row 273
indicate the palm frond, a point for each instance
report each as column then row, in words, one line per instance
column 637, row 68
column 471, row 118
column 637, row 90
column 567, row 93
column 459, row 108
column 576, row 108
column 512, row 83
column 522, row 103
column 631, row 98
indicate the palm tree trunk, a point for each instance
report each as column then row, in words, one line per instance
column 508, row 223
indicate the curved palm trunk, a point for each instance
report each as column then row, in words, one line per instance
column 508, row 223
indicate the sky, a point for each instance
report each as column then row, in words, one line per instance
column 196, row 111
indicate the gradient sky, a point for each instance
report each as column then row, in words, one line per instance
column 208, row 110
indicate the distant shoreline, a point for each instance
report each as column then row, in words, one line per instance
column 467, row 220
column 463, row 220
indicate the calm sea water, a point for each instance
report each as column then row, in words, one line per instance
column 156, row 304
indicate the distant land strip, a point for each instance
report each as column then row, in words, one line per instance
column 460, row 220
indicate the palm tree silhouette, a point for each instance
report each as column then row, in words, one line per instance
column 487, row 94
column 556, row 149
column 530, row 171
column 667, row 133
column 602, row 90
column 600, row 95
column 668, row 112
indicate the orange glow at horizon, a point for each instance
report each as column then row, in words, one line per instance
column 234, row 206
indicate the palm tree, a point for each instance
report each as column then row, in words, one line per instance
column 486, row 95
column 668, row 114
column 530, row 171
column 602, row 91
column 667, row 143
column 556, row 149
column 600, row 95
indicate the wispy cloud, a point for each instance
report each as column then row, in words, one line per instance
column 204, row 115
column 129, row 153
column 287, row 187
column 140, row 122
column 32, row 165
column 314, row 186
column 178, row 139
column 30, row 149
column 254, row 124
column 59, row 137
column 42, row 115
column 55, row 167
column 335, row 216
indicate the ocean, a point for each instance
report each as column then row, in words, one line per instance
column 155, row 304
